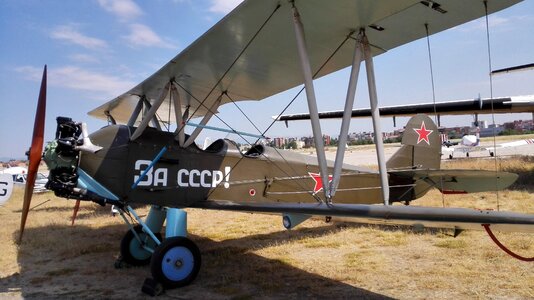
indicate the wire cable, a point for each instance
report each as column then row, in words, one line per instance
column 491, row 101
column 433, row 97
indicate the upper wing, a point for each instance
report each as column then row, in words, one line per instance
column 458, row 218
column 230, row 58
column 458, row 107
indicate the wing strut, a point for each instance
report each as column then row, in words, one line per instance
column 135, row 113
column 347, row 114
column 373, row 98
column 151, row 114
column 203, row 122
column 312, row 102
column 362, row 45
column 180, row 132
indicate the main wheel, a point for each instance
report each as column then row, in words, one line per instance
column 132, row 251
column 176, row 262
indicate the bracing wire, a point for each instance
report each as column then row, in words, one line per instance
column 491, row 101
column 244, row 114
column 286, row 107
column 431, row 73
column 433, row 96
column 291, row 102
column 260, row 29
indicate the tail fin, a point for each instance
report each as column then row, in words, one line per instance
column 421, row 147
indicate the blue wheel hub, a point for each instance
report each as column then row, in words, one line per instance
column 139, row 252
column 177, row 263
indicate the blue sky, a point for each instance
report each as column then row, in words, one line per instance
column 98, row 49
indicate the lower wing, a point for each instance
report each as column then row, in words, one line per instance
column 456, row 218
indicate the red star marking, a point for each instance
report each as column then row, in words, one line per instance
column 318, row 181
column 423, row 133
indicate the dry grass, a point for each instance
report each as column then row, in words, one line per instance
column 252, row 256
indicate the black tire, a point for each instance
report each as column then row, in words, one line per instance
column 467, row 154
column 175, row 262
column 131, row 251
column 450, row 156
column 492, row 154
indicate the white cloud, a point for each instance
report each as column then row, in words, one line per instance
column 495, row 23
column 84, row 58
column 223, row 6
column 70, row 34
column 142, row 35
column 76, row 78
column 124, row 9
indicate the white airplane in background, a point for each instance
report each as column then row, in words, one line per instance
column 19, row 176
column 471, row 143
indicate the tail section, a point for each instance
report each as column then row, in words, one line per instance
column 420, row 148
column 417, row 163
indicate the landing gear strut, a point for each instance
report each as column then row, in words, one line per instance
column 175, row 262
column 134, row 248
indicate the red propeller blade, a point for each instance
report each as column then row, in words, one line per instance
column 75, row 212
column 35, row 152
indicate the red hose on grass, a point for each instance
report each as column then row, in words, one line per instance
column 503, row 248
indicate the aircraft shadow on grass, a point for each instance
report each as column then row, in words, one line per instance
column 525, row 181
column 60, row 260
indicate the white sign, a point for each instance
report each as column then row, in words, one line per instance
column 6, row 187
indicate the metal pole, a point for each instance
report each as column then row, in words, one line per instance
column 135, row 113
column 225, row 130
column 373, row 98
column 204, row 121
column 154, row 120
column 151, row 113
column 347, row 114
column 179, row 116
column 312, row 102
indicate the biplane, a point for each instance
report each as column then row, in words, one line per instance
column 259, row 49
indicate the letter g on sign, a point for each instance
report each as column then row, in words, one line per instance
column 6, row 187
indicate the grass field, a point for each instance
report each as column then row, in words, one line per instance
column 251, row 255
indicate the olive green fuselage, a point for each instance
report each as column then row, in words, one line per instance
column 184, row 176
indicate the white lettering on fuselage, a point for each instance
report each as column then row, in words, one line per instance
column 197, row 178
column 184, row 177
column 157, row 177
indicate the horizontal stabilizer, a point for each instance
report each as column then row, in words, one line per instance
column 456, row 218
column 461, row 181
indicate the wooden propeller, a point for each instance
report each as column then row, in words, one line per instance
column 75, row 212
column 35, row 153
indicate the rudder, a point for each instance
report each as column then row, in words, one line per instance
column 421, row 147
